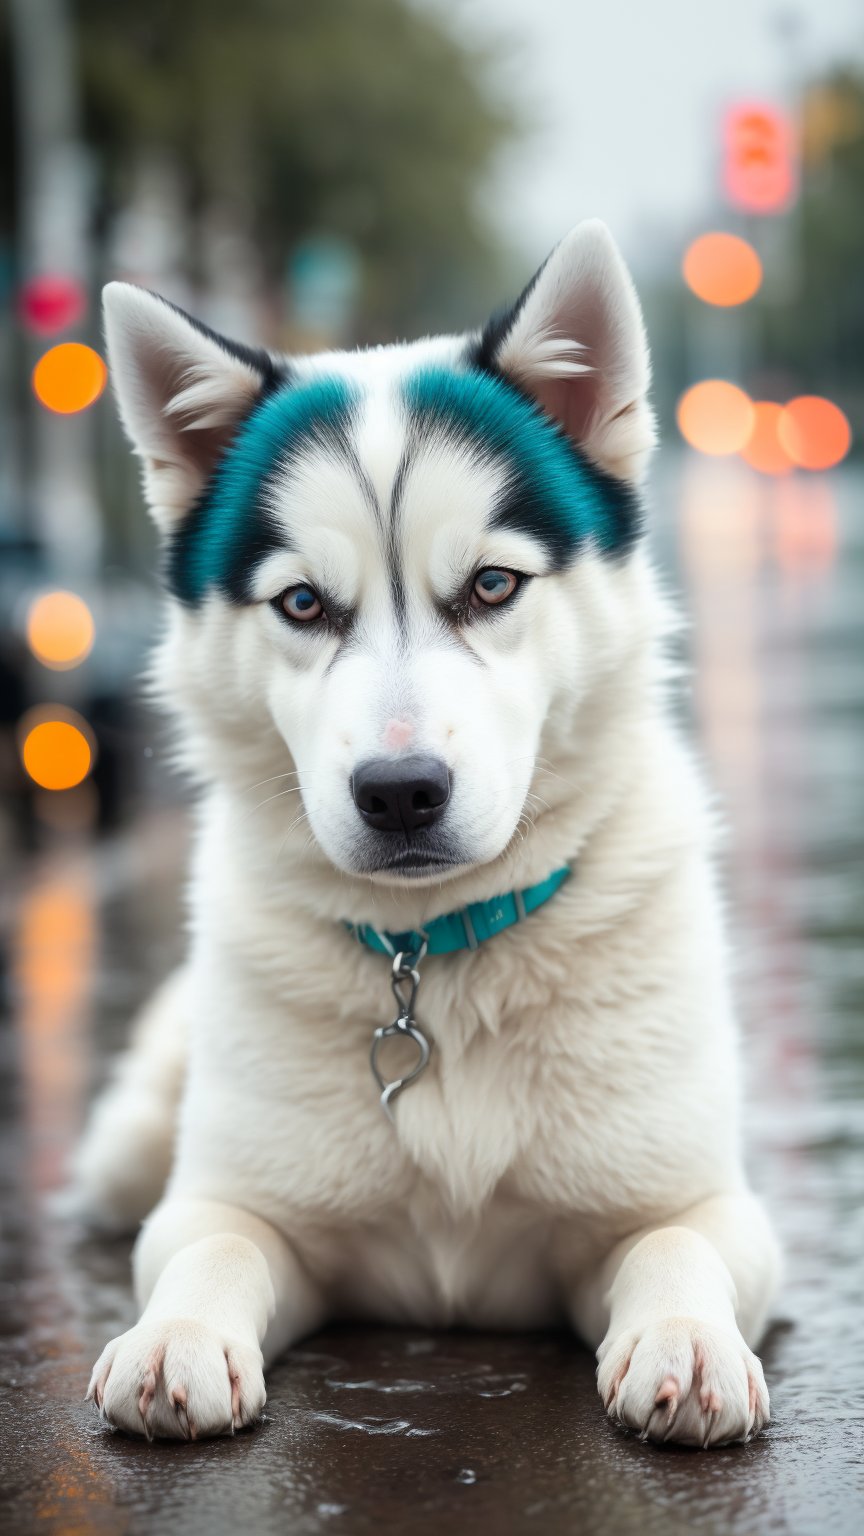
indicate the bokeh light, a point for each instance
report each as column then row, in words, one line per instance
column 715, row 417
column 51, row 302
column 763, row 449
column 814, row 432
column 759, row 157
column 60, row 630
column 722, row 269
column 69, row 377
column 57, row 747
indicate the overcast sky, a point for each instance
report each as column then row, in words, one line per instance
column 628, row 95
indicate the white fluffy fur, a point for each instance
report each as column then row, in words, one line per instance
column 573, row 1150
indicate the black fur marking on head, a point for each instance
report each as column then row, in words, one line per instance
column 553, row 492
column 360, row 472
column 483, row 350
column 397, row 584
column 273, row 373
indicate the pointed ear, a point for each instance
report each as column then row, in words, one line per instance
column 575, row 341
column 182, row 391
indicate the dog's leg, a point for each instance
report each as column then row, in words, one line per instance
column 674, row 1310
column 122, row 1164
column 222, row 1291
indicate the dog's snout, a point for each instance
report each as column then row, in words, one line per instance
column 401, row 794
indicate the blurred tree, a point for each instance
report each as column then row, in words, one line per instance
column 360, row 119
column 818, row 335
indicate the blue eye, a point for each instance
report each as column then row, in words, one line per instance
column 301, row 604
column 493, row 587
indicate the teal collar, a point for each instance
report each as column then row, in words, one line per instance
column 466, row 929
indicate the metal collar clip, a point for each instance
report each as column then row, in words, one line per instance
column 404, row 982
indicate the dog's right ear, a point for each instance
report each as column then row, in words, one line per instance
column 182, row 391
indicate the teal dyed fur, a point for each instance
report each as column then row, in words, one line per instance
column 211, row 544
column 553, row 492
column 557, row 494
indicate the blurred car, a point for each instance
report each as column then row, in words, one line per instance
column 103, row 688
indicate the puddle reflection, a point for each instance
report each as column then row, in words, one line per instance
column 55, row 956
column 772, row 620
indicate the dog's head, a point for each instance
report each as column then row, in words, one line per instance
column 404, row 572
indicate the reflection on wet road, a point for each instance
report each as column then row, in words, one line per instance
column 381, row 1430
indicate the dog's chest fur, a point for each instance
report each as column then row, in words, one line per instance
column 556, row 1104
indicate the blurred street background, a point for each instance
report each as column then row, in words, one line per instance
column 308, row 173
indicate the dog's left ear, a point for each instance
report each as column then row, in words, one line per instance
column 575, row 342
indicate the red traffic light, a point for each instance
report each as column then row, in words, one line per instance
column 51, row 303
column 759, row 158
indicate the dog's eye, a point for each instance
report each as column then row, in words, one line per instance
column 492, row 588
column 301, row 604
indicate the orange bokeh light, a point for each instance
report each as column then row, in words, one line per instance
column 763, row 449
column 56, row 751
column 69, row 377
column 715, row 417
column 722, row 269
column 60, row 630
column 814, row 432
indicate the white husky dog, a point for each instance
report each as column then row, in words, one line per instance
column 414, row 648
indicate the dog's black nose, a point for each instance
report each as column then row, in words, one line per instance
column 400, row 794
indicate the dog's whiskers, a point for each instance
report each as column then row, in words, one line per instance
column 542, row 765
column 291, row 773
column 293, row 789
column 302, row 816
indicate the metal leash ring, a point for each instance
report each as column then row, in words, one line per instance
column 407, row 1029
column 404, row 982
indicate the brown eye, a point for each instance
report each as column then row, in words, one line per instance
column 301, row 604
column 493, row 587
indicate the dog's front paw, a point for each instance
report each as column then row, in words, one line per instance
column 685, row 1380
column 177, row 1379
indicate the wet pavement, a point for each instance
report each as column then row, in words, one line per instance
column 403, row 1431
